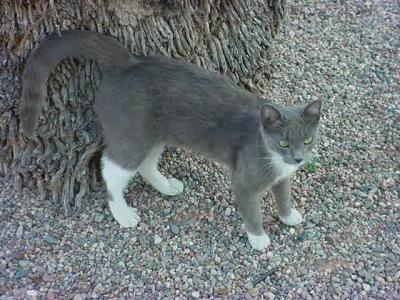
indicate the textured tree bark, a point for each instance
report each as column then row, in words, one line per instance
column 232, row 37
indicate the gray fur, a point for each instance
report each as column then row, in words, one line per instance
column 148, row 102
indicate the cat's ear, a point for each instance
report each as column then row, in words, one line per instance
column 271, row 117
column 312, row 111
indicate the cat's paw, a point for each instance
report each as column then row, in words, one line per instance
column 125, row 216
column 293, row 219
column 258, row 242
column 174, row 187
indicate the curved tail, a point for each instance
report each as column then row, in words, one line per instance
column 74, row 43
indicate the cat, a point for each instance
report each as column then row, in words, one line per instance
column 146, row 103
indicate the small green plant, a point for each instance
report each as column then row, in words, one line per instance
column 312, row 165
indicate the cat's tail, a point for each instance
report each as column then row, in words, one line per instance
column 74, row 43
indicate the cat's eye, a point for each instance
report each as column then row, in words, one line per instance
column 308, row 140
column 284, row 144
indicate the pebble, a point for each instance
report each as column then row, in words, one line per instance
column 196, row 295
column 228, row 211
column 80, row 297
column 99, row 218
column 158, row 239
column 23, row 263
column 174, row 229
column 20, row 231
column 21, row 273
column 380, row 279
column 269, row 295
column 32, row 294
column 366, row 287
column 3, row 266
column 50, row 239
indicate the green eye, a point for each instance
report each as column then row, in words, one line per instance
column 308, row 140
column 283, row 144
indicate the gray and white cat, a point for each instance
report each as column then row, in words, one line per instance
column 147, row 103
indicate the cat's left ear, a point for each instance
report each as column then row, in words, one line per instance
column 312, row 111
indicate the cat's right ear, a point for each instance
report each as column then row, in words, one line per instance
column 270, row 116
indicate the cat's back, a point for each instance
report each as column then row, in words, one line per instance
column 170, row 78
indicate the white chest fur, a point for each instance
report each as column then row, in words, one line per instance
column 282, row 169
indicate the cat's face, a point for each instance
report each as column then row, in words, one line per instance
column 291, row 133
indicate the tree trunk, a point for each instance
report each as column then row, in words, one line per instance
column 232, row 37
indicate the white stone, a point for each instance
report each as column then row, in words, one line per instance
column 196, row 294
column 157, row 239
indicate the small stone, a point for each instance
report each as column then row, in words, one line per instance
column 32, row 294
column 217, row 259
column 21, row 273
column 165, row 212
column 121, row 263
column 366, row 287
column 380, row 279
column 269, row 295
column 47, row 277
column 307, row 235
column 79, row 297
column 254, row 291
column 20, row 231
column 158, row 239
column 51, row 295
column 196, row 294
column 23, row 263
column 174, row 229
column 50, row 239
column 3, row 266
column 99, row 218
column 228, row 211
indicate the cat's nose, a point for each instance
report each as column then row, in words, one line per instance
column 298, row 160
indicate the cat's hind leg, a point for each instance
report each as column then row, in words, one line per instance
column 116, row 179
column 149, row 171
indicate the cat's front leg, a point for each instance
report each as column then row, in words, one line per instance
column 250, row 209
column 287, row 214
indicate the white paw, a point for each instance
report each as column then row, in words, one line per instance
column 174, row 187
column 258, row 242
column 293, row 219
column 126, row 216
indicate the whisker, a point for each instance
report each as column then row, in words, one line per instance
column 269, row 166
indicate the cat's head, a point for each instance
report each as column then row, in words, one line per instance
column 291, row 133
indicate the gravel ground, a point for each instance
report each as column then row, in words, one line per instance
column 193, row 246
